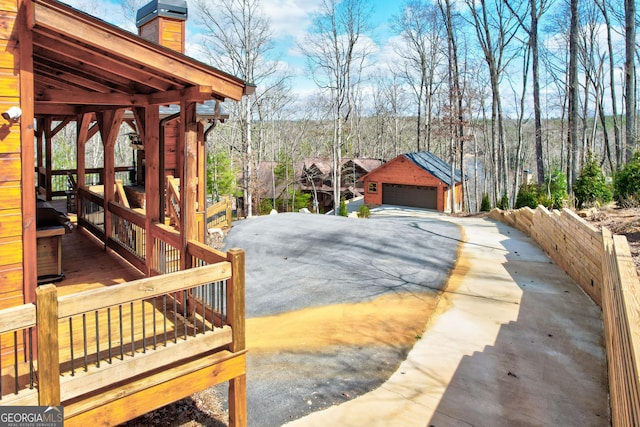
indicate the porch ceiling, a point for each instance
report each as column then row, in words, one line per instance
column 83, row 64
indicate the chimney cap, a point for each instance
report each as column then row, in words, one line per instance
column 176, row 9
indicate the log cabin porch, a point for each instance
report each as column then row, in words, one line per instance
column 127, row 344
column 167, row 319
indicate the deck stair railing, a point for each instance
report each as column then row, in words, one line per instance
column 173, row 201
column 17, row 367
column 219, row 214
column 128, row 232
column 90, row 340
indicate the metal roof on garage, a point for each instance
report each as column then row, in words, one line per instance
column 434, row 165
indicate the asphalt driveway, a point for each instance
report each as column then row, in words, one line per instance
column 334, row 304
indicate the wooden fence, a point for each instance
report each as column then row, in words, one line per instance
column 601, row 264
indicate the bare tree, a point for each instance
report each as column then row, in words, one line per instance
column 419, row 25
column 572, row 137
column 604, row 6
column 495, row 29
column 630, row 75
column 335, row 56
column 535, row 11
column 238, row 36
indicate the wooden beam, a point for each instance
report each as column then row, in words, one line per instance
column 74, row 77
column 152, row 176
column 56, row 109
column 139, row 119
column 27, row 147
column 51, row 15
column 191, row 94
column 46, row 96
column 61, row 126
column 50, row 82
column 147, row 394
column 23, row 60
column 82, row 136
column 89, row 57
column 109, row 124
column 202, row 182
column 189, row 170
column 48, row 162
column 52, row 96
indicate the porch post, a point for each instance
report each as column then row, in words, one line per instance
column 109, row 123
column 39, row 140
column 82, row 136
column 48, row 163
column 48, row 350
column 152, row 177
column 188, row 178
column 202, row 184
column 236, row 319
column 20, row 53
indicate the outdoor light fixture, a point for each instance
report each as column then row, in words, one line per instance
column 135, row 140
column 12, row 114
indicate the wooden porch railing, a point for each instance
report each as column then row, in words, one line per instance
column 219, row 214
column 173, row 201
column 54, row 183
column 601, row 264
column 111, row 354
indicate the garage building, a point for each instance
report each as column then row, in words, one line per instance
column 419, row 180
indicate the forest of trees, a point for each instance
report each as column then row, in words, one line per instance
column 496, row 87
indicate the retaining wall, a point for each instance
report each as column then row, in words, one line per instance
column 601, row 264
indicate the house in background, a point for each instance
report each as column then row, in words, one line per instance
column 419, row 180
column 317, row 179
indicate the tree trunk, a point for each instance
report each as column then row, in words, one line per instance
column 572, row 139
column 630, row 76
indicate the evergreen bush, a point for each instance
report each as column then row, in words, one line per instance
column 627, row 183
column 556, row 195
column 504, row 202
column 485, row 205
column 527, row 196
column 342, row 211
column 364, row 212
column 591, row 188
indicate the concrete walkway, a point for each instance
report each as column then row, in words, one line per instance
column 514, row 342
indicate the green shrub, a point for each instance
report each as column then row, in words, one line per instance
column 591, row 188
column 342, row 211
column 266, row 205
column 364, row 212
column 504, row 202
column 527, row 196
column 556, row 191
column 627, row 183
column 485, row 206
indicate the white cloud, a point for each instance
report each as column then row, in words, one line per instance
column 290, row 18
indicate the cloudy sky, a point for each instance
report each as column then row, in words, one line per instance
column 290, row 21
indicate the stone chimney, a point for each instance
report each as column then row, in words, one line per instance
column 163, row 22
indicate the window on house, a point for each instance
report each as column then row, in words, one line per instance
column 373, row 187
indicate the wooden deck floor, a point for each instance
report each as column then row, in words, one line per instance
column 86, row 265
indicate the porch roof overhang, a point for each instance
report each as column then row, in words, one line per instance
column 82, row 64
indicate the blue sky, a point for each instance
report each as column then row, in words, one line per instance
column 290, row 21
